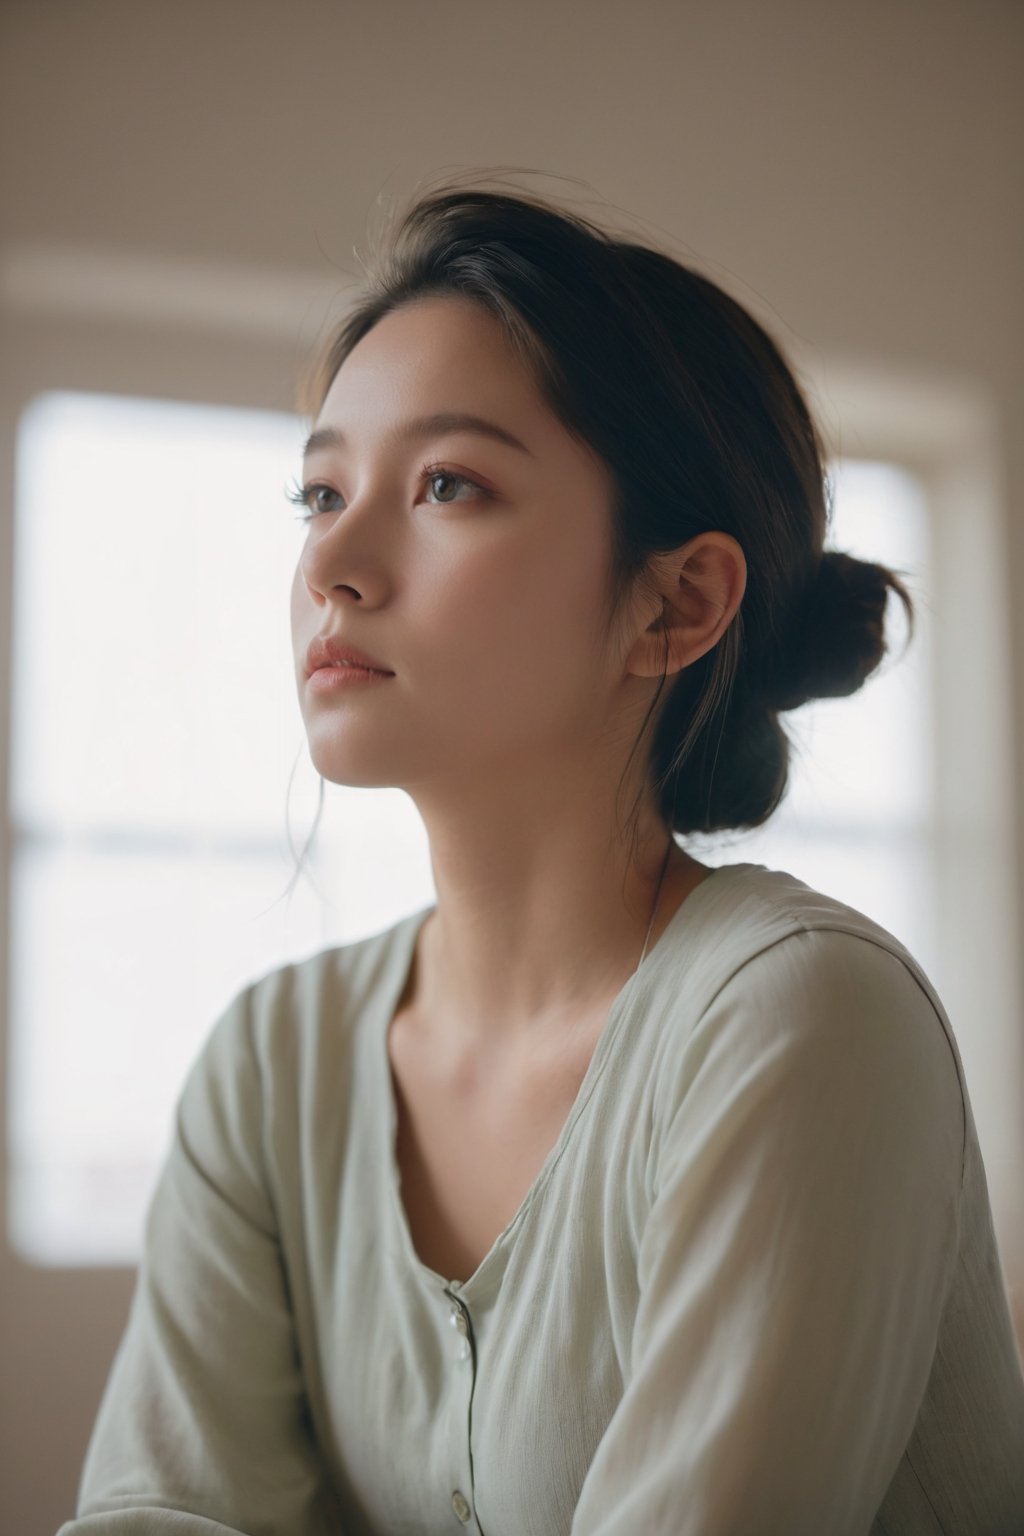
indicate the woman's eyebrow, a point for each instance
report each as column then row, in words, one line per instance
column 422, row 426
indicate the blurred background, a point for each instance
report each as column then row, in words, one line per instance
column 189, row 192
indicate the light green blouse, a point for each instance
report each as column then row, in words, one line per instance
column 753, row 1291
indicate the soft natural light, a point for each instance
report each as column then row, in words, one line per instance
column 156, row 725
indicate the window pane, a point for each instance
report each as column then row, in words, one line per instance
column 152, row 668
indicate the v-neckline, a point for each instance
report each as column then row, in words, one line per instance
column 408, row 934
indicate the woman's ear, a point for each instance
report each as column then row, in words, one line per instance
column 697, row 590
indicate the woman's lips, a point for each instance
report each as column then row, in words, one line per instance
column 326, row 679
column 332, row 651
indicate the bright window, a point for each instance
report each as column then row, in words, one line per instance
column 156, row 729
column 156, row 733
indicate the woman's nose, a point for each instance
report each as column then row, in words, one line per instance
column 349, row 552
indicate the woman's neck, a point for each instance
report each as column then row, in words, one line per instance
column 499, row 965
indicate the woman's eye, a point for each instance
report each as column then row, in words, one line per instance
column 317, row 497
column 443, row 474
column 310, row 498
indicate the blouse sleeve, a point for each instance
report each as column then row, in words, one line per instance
column 203, row 1427
column 796, row 1256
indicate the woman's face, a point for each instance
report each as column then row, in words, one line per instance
column 477, row 581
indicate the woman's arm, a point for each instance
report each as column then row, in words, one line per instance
column 796, row 1258
column 203, row 1428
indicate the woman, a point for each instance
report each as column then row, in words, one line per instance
column 614, row 1193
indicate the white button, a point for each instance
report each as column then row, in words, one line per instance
column 460, row 1506
column 464, row 1350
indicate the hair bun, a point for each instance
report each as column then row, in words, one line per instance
column 838, row 638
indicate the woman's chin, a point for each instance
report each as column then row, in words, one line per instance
column 337, row 768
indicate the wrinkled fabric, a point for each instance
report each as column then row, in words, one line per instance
column 754, row 1290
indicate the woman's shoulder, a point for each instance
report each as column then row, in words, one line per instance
column 346, row 973
column 296, row 1022
column 744, row 910
column 766, row 968
column 773, row 901
column 776, row 995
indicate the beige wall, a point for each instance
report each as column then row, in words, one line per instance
column 851, row 172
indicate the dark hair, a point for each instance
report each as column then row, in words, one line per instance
column 702, row 425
